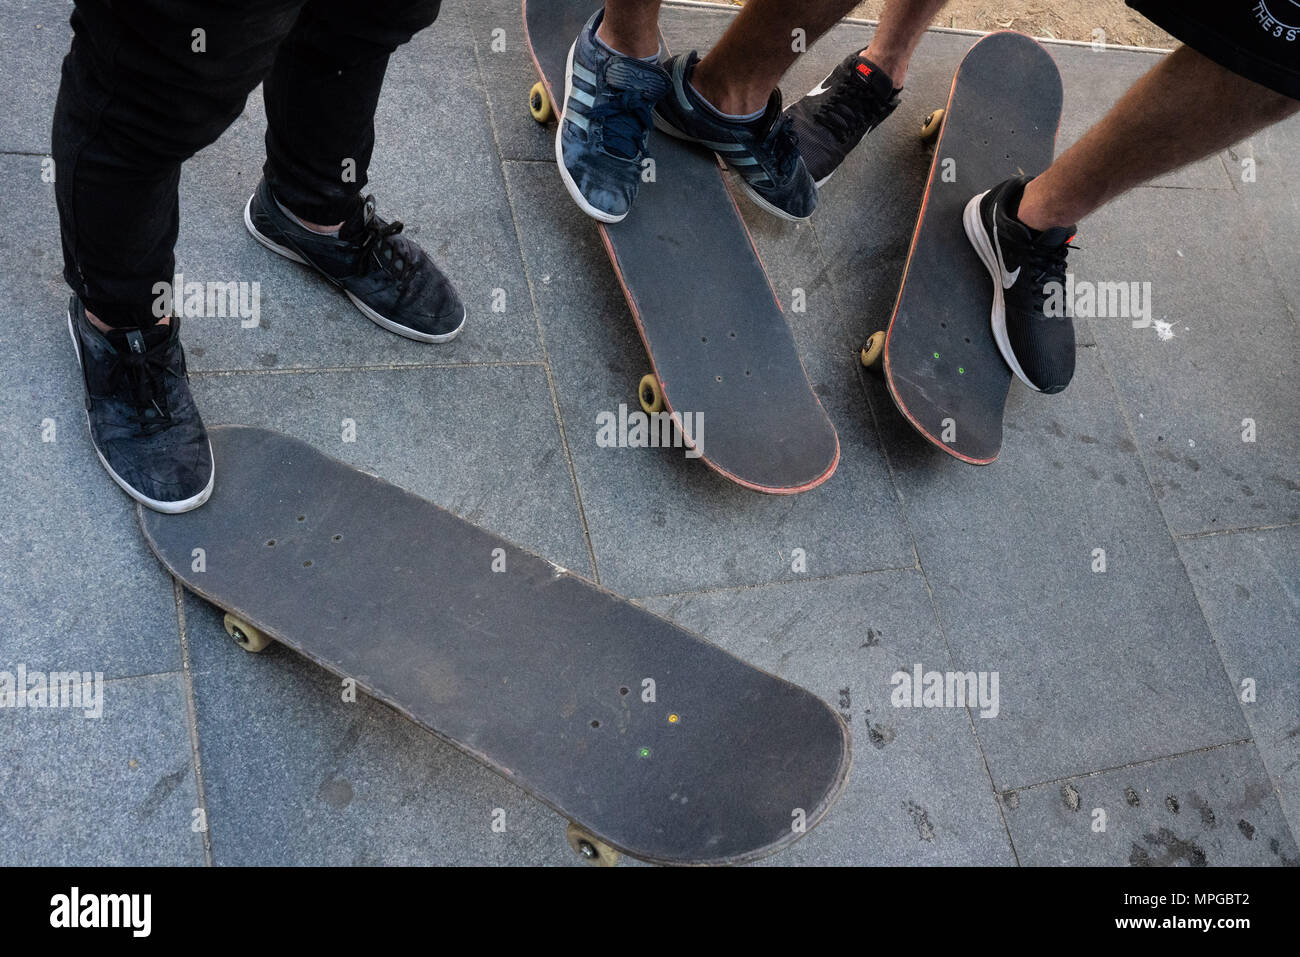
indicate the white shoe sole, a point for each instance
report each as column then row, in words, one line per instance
column 169, row 508
column 565, row 176
column 397, row 328
column 983, row 243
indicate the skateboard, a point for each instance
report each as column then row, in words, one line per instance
column 712, row 325
column 938, row 355
column 650, row 740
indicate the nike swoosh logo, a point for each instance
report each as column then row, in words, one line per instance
column 1008, row 278
column 820, row 88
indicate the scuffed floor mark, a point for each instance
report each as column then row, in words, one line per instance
column 880, row 734
column 1247, row 829
column 1168, row 849
column 160, row 792
column 921, row 818
column 1204, row 809
column 1070, row 795
column 1011, row 799
column 1131, row 798
column 336, row 792
column 1171, row 803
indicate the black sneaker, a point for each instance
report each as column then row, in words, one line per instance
column 832, row 118
column 387, row 276
column 144, row 425
column 1028, row 270
column 763, row 152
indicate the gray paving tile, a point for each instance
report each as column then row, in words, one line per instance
column 1272, row 206
column 1246, row 583
column 80, row 590
column 918, row 792
column 295, row 775
column 444, row 183
column 1097, row 669
column 1214, row 808
column 480, row 441
column 1230, row 358
column 114, row 790
column 660, row 522
column 34, row 36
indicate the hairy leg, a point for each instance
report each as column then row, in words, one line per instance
column 1186, row 108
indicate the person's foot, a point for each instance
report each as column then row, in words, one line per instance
column 763, row 151
column 1028, row 270
column 832, row 118
column 144, row 424
column 387, row 276
column 604, row 129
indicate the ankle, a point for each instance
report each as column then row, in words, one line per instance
column 1037, row 211
column 725, row 95
column 635, row 45
column 892, row 63
column 106, row 328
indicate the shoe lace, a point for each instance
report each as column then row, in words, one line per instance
column 377, row 239
column 625, row 119
column 144, row 375
column 782, row 143
column 847, row 113
column 1046, row 264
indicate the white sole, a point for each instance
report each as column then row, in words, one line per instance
column 565, row 176
column 393, row 327
column 979, row 238
column 168, row 508
column 665, row 127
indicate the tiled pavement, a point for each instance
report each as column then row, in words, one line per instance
column 1149, row 714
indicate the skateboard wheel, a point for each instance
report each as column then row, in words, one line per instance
column 591, row 849
column 539, row 103
column 930, row 128
column 652, row 399
column 245, row 635
column 872, row 350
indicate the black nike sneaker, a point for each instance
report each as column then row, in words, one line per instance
column 1028, row 270
column 144, row 424
column 387, row 276
column 832, row 118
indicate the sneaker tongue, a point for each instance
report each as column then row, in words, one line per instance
column 624, row 73
column 1056, row 236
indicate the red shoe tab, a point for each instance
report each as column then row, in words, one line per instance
column 864, row 69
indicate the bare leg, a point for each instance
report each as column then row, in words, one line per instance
column 1186, row 108
column 631, row 27
column 902, row 24
column 740, row 73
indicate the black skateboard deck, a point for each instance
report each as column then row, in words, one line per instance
column 940, row 360
column 711, row 322
column 539, row 674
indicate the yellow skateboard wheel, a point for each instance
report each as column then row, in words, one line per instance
column 245, row 635
column 652, row 398
column 933, row 122
column 872, row 350
column 539, row 103
column 590, row 848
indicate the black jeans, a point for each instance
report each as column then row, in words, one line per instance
column 142, row 91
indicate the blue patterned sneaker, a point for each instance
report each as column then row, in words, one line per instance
column 601, row 142
column 764, row 151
